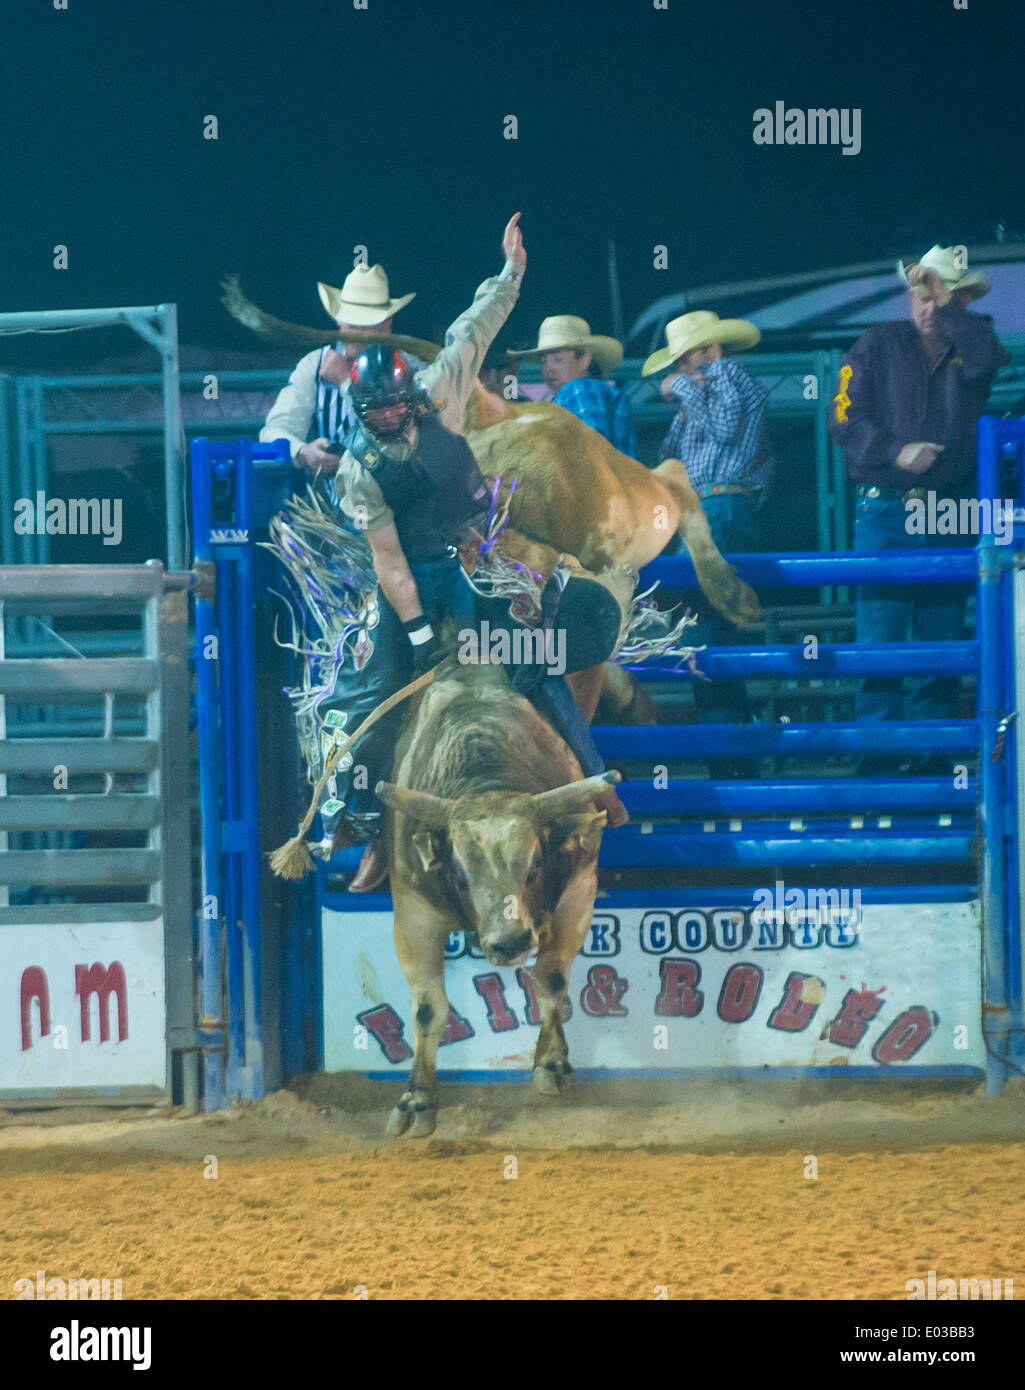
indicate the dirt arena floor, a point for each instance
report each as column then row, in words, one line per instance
column 625, row 1191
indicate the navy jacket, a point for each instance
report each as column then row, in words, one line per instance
column 894, row 396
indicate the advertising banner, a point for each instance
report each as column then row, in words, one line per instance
column 84, row 1006
column 670, row 989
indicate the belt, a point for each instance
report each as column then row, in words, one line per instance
column 913, row 494
column 721, row 489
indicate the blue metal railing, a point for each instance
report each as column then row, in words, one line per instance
column 927, row 821
column 226, row 699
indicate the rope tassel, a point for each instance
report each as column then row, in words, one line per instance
column 293, row 858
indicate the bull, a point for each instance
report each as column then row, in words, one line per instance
column 605, row 512
column 491, row 830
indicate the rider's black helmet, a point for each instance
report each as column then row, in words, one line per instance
column 381, row 377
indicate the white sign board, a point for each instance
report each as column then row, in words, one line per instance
column 83, row 1006
column 666, row 989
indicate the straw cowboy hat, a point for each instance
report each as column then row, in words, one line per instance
column 698, row 329
column 364, row 299
column 567, row 331
column 944, row 261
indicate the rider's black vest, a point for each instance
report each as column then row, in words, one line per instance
column 437, row 495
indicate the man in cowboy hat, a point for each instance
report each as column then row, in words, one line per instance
column 719, row 434
column 909, row 399
column 574, row 362
column 317, row 392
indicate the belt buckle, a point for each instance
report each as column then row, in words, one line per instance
column 913, row 494
column 870, row 490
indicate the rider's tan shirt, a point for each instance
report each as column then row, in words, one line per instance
column 448, row 382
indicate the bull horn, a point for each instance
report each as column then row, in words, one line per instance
column 240, row 307
column 574, row 796
column 433, row 811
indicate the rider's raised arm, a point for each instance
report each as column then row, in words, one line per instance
column 450, row 377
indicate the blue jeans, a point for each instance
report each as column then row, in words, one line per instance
column 734, row 526
column 901, row 613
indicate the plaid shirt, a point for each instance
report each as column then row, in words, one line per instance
column 604, row 407
column 719, row 432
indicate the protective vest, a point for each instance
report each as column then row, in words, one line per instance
column 438, row 495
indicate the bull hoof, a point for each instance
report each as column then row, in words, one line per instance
column 728, row 593
column 424, row 1122
column 413, row 1113
column 552, row 1078
column 399, row 1121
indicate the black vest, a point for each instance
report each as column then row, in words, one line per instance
column 438, row 495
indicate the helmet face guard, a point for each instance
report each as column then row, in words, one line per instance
column 381, row 380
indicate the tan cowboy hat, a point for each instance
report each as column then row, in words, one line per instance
column 944, row 260
column 567, row 331
column 364, row 299
column 698, row 329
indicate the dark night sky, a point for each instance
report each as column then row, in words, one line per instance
column 340, row 126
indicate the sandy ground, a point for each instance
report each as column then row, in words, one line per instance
column 624, row 1191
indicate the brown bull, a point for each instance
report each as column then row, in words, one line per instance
column 579, row 496
column 491, row 830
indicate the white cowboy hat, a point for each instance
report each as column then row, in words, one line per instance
column 364, row 299
column 944, row 260
column 567, row 331
column 698, row 329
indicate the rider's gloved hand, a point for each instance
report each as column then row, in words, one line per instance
column 426, row 648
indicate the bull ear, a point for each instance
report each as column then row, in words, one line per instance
column 425, row 842
column 571, row 834
column 422, row 806
column 574, row 797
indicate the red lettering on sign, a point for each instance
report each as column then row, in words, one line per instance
column 906, row 1035
column 34, row 986
column 528, row 984
column 740, row 991
column 793, row 1013
column 601, row 995
column 386, row 1026
column 491, row 988
column 456, row 1029
column 858, row 1009
column 102, row 981
column 679, row 996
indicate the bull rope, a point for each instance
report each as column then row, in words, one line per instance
column 293, row 858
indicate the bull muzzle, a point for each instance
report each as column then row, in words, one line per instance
column 511, row 948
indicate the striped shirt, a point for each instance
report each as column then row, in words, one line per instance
column 333, row 415
column 604, row 407
column 719, row 432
